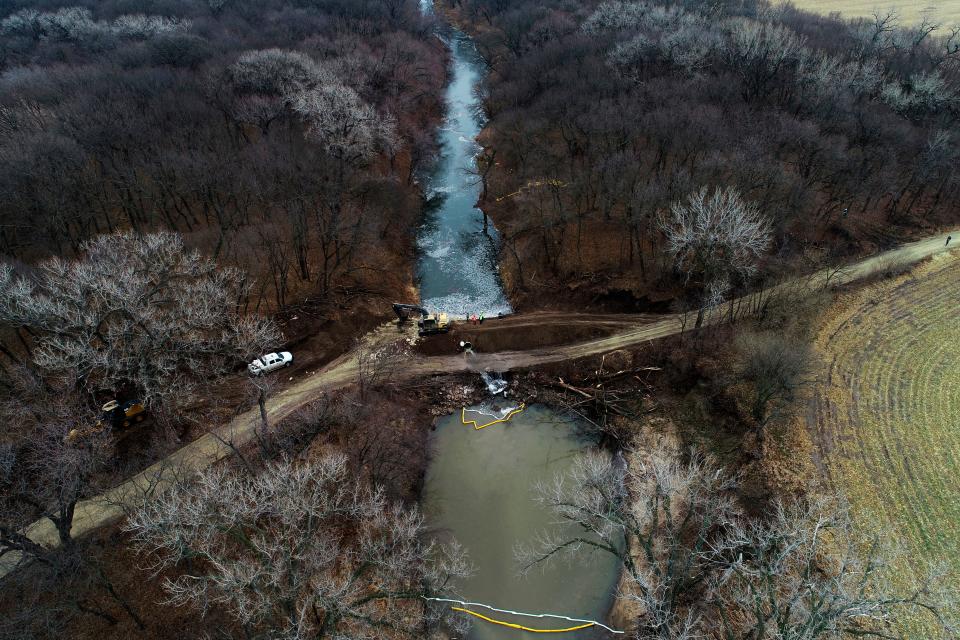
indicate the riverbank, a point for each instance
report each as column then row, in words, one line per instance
column 385, row 437
column 457, row 271
column 658, row 370
column 589, row 148
column 386, row 433
column 663, row 339
column 530, row 280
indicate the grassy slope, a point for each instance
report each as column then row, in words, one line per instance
column 886, row 413
column 946, row 11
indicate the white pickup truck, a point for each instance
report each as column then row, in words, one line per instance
column 270, row 362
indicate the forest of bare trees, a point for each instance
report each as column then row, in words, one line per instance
column 300, row 551
column 181, row 180
column 842, row 135
column 280, row 137
column 172, row 174
column 696, row 565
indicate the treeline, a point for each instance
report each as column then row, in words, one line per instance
column 142, row 317
column 166, row 170
column 605, row 116
column 281, row 137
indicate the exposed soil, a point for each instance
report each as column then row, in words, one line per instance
column 526, row 331
column 341, row 372
column 498, row 342
column 315, row 332
column 587, row 260
column 318, row 333
column 385, row 436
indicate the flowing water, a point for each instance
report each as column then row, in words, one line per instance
column 457, row 271
column 478, row 488
column 479, row 491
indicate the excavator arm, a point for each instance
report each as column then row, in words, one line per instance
column 405, row 311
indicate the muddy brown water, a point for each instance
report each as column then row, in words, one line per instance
column 479, row 483
column 479, row 490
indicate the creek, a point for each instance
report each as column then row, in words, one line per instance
column 479, row 485
column 479, row 491
column 457, row 270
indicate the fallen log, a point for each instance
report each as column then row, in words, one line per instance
column 570, row 387
column 607, row 402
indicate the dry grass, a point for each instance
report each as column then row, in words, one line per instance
column 887, row 412
column 944, row 11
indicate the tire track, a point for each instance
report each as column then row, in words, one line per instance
column 218, row 444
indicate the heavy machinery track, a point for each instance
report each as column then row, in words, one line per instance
column 218, row 444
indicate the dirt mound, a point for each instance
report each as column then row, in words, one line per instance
column 527, row 331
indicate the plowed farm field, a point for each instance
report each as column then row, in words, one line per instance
column 944, row 11
column 886, row 417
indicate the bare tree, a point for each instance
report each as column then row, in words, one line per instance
column 289, row 434
column 263, row 82
column 920, row 95
column 77, row 24
column 276, row 72
column 51, row 595
column 698, row 567
column 775, row 367
column 389, row 451
column 823, row 80
column 348, row 128
column 807, row 572
column 683, row 39
column 625, row 16
column 377, row 362
column 299, row 551
column 259, row 389
column 876, row 37
column 759, row 52
column 715, row 238
column 660, row 521
column 46, row 473
column 138, row 310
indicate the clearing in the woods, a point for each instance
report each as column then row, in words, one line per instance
column 944, row 11
column 221, row 442
column 887, row 413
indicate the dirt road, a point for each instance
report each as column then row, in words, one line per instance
column 216, row 445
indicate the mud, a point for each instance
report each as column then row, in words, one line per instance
column 517, row 333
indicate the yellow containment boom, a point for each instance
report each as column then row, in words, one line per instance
column 520, row 626
column 506, row 418
column 581, row 622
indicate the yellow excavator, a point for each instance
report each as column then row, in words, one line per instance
column 429, row 323
column 114, row 414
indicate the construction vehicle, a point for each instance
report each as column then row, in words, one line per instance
column 123, row 415
column 114, row 414
column 429, row 323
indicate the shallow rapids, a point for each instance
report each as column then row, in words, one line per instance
column 457, row 270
